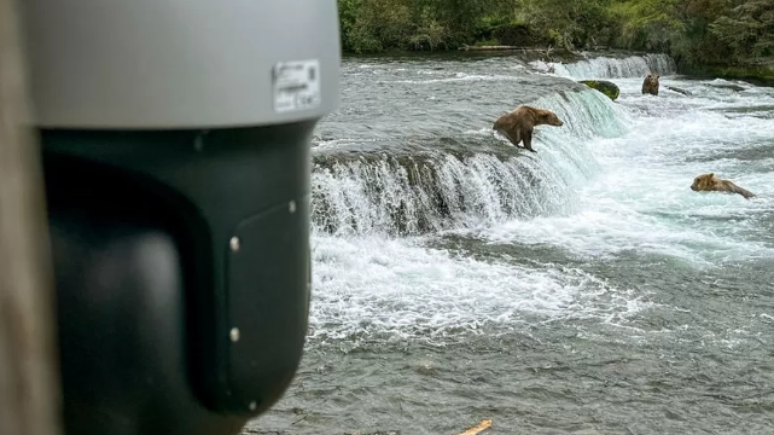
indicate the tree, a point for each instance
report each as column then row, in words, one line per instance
column 569, row 23
column 748, row 29
column 649, row 24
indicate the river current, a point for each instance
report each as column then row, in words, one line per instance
column 583, row 289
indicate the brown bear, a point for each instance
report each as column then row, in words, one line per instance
column 517, row 126
column 650, row 85
column 711, row 183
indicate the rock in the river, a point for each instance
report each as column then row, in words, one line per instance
column 678, row 90
column 608, row 88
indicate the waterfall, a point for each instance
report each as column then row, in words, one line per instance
column 399, row 194
column 610, row 67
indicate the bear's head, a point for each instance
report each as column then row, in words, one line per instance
column 703, row 182
column 550, row 118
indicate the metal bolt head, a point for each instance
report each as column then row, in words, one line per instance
column 234, row 244
column 292, row 206
column 234, row 334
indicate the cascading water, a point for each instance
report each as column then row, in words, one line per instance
column 604, row 67
column 440, row 189
column 582, row 289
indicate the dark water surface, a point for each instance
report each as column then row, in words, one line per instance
column 584, row 289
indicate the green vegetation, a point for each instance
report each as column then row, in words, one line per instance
column 732, row 34
column 379, row 25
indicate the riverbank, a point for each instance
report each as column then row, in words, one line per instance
column 758, row 74
column 761, row 75
column 708, row 37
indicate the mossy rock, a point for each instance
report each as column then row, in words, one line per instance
column 608, row 88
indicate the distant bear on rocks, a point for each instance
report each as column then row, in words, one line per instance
column 650, row 85
column 517, row 126
column 711, row 183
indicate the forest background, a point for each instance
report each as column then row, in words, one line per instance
column 725, row 37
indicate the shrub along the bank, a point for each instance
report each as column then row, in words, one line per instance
column 695, row 32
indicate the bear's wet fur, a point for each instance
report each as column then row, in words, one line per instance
column 518, row 125
column 650, row 84
column 711, row 183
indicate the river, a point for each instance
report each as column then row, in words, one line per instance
column 583, row 289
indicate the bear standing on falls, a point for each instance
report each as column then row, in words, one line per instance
column 650, row 85
column 517, row 126
column 711, row 183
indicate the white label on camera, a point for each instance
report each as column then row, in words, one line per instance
column 296, row 85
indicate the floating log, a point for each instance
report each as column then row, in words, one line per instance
column 502, row 48
column 488, row 48
column 678, row 90
column 475, row 430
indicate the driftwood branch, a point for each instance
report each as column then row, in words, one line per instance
column 475, row 430
column 29, row 398
column 500, row 48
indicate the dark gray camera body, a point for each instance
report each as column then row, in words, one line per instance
column 175, row 139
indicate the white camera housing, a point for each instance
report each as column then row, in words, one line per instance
column 178, row 64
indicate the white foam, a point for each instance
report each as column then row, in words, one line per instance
column 459, row 77
column 371, row 287
column 640, row 199
column 607, row 67
column 614, row 180
column 364, row 197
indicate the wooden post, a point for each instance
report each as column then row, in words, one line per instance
column 29, row 381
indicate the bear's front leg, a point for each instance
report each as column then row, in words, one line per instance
column 528, row 140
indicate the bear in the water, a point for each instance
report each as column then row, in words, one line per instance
column 711, row 183
column 517, row 126
column 650, row 84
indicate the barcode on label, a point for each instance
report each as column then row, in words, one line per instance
column 296, row 85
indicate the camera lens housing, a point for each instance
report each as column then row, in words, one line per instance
column 175, row 140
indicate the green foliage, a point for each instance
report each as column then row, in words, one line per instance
column 695, row 32
column 378, row 25
column 570, row 24
column 648, row 24
column 372, row 25
column 748, row 29
column 679, row 27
